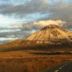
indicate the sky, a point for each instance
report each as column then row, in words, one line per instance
column 18, row 17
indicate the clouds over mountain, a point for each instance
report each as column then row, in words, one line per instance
column 29, row 15
column 50, row 22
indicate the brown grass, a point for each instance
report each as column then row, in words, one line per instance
column 20, row 61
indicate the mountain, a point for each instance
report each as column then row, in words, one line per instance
column 51, row 34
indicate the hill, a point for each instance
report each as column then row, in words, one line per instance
column 51, row 34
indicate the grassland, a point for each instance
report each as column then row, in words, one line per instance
column 22, row 61
column 33, row 58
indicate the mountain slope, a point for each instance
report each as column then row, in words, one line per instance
column 51, row 34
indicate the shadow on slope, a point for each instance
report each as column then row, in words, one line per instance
column 39, row 47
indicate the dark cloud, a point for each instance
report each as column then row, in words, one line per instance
column 57, row 9
column 34, row 6
column 16, row 34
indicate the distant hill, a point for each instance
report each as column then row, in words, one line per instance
column 51, row 34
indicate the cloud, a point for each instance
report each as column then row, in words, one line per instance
column 14, row 2
column 61, row 9
column 49, row 22
column 37, row 25
column 9, row 22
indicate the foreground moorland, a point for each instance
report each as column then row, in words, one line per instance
column 21, row 61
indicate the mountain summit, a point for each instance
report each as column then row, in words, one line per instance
column 51, row 34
